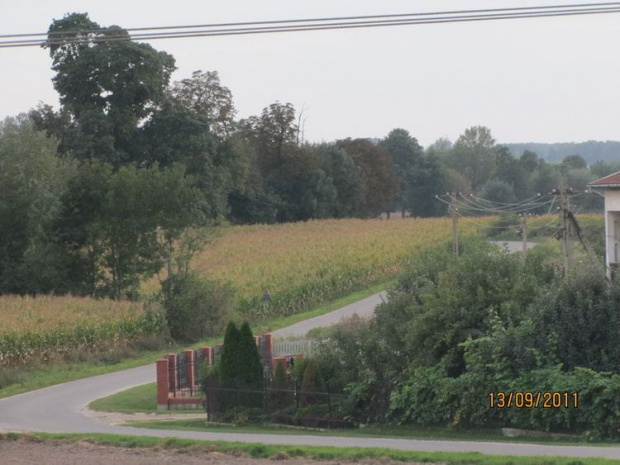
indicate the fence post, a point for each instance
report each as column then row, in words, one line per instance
column 163, row 387
column 268, row 344
column 208, row 355
column 173, row 372
column 190, row 364
column 329, row 406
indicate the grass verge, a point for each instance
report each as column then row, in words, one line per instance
column 257, row 450
column 393, row 432
column 26, row 379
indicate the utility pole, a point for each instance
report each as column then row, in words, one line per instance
column 455, row 229
column 566, row 227
column 523, row 230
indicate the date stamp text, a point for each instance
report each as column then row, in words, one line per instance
column 534, row 399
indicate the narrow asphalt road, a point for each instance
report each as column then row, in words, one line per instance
column 57, row 409
column 363, row 308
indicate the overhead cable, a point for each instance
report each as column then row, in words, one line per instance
column 300, row 25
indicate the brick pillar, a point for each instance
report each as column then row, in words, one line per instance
column 162, row 384
column 207, row 353
column 190, row 360
column 268, row 345
column 172, row 374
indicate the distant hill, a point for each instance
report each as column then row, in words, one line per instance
column 591, row 151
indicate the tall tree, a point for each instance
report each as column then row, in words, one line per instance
column 204, row 95
column 378, row 172
column 107, row 83
column 273, row 134
column 120, row 227
column 474, row 155
column 32, row 181
column 420, row 176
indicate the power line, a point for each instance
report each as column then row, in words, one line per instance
column 300, row 25
column 338, row 18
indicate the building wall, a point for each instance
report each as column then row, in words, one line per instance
column 612, row 227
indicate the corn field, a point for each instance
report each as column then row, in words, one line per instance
column 304, row 264
column 47, row 327
column 297, row 264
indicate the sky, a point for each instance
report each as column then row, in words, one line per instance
column 534, row 80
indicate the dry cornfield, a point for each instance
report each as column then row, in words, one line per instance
column 43, row 328
column 302, row 264
column 298, row 264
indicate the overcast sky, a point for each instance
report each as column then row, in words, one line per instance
column 534, row 80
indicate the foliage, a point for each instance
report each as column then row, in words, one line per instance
column 106, row 86
column 378, row 172
column 120, row 227
column 203, row 95
column 32, row 182
column 451, row 334
column 420, row 176
column 240, row 371
column 279, row 397
column 474, row 155
column 312, row 385
column 195, row 307
column 578, row 322
column 230, row 358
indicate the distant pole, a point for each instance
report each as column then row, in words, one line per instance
column 524, row 234
column 455, row 230
column 566, row 245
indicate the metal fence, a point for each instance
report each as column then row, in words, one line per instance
column 185, row 369
column 290, row 348
column 290, row 406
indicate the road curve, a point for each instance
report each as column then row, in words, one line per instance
column 363, row 308
column 57, row 409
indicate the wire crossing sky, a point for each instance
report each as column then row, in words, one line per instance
column 530, row 70
column 311, row 24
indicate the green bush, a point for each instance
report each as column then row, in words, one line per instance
column 195, row 307
column 452, row 333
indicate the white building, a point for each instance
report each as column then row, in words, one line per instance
column 610, row 185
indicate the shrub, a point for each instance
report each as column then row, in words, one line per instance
column 195, row 307
column 312, row 386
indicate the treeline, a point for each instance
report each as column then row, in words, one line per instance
column 114, row 185
column 592, row 151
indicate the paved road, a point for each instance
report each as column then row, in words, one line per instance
column 514, row 246
column 363, row 308
column 58, row 409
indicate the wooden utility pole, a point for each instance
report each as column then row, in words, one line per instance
column 566, row 227
column 524, row 234
column 455, row 230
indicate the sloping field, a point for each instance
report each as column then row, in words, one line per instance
column 30, row 314
column 297, row 264
column 46, row 327
column 301, row 264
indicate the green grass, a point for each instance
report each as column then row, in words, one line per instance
column 395, row 432
column 24, row 379
column 137, row 399
column 257, row 450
